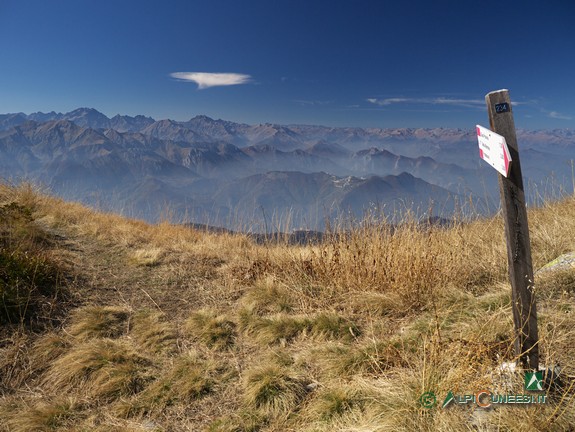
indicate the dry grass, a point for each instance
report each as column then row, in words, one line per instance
column 371, row 357
column 188, row 378
column 47, row 349
column 284, row 328
column 154, row 332
column 176, row 329
column 41, row 416
column 148, row 257
column 99, row 321
column 32, row 281
column 212, row 330
column 102, row 369
column 273, row 390
column 336, row 401
column 240, row 421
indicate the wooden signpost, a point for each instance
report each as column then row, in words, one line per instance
column 516, row 228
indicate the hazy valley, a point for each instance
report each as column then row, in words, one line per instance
column 260, row 177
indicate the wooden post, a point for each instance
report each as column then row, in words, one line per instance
column 516, row 234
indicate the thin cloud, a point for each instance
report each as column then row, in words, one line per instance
column 205, row 80
column 312, row 102
column 559, row 116
column 469, row 103
column 460, row 102
column 388, row 101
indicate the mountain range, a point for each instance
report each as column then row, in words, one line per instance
column 254, row 177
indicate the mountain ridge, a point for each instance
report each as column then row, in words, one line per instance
column 199, row 163
column 91, row 117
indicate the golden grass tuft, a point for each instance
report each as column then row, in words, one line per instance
column 213, row 330
column 371, row 357
column 329, row 325
column 188, row 378
column 148, row 256
column 335, row 401
column 268, row 296
column 47, row 349
column 153, row 332
column 40, row 416
column 273, row 389
column 285, row 328
column 101, row 368
column 99, row 322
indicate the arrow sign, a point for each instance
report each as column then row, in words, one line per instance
column 493, row 150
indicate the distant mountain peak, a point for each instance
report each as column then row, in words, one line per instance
column 51, row 113
column 202, row 117
column 88, row 117
column 168, row 122
column 86, row 110
column 143, row 117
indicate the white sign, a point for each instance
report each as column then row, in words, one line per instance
column 493, row 150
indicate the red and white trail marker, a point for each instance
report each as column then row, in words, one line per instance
column 493, row 150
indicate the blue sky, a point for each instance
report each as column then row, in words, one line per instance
column 368, row 63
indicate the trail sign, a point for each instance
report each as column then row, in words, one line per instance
column 512, row 195
column 493, row 150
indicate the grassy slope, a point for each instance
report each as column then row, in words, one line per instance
column 163, row 328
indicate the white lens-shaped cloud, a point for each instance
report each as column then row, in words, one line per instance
column 205, row 80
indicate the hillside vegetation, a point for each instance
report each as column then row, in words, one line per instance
column 111, row 324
